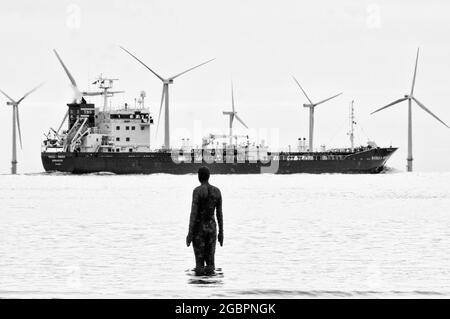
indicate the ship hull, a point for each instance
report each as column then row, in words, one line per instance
column 367, row 161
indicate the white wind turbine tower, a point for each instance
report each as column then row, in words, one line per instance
column 16, row 121
column 232, row 115
column 165, row 96
column 410, row 98
column 311, row 113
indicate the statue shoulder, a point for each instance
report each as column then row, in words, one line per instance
column 201, row 191
column 216, row 190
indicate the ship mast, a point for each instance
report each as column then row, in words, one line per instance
column 142, row 96
column 105, row 84
column 352, row 123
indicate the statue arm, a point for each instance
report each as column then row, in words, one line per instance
column 219, row 213
column 194, row 212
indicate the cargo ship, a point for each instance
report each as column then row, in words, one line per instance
column 117, row 140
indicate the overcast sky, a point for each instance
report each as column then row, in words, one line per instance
column 364, row 48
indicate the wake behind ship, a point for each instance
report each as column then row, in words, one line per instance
column 118, row 141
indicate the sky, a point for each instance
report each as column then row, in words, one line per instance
column 365, row 49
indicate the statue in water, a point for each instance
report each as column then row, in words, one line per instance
column 202, row 225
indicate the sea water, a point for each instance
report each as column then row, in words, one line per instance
column 386, row 235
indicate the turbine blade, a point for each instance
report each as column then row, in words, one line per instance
column 163, row 95
column 8, row 97
column 393, row 103
column 156, row 74
column 78, row 94
column 415, row 73
column 240, row 120
column 18, row 125
column 62, row 122
column 72, row 80
column 326, row 100
column 28, row 93
column 302, row 89
column 428, row 111
column 197, row 66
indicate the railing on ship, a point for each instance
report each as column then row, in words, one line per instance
column 244, row 155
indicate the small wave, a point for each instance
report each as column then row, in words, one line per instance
column 50, row 173
column 226, row 293
column 280, row 293
column 390, row 170
column 38, row 173
column 101, row 174
column 57, row 173
column 25, row 174
column 40, row 294
column 213, row 279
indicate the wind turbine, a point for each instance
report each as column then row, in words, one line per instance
column 410, row 98
column 78, row 95
column 165, row 96
column 232, row 115
column 16, row 121
column 311, row 106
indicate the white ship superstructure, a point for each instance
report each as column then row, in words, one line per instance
column 126, row 130
column 92, row 130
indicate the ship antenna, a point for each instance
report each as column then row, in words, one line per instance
column 142, row 95
column 105, row 85
column 352, row 123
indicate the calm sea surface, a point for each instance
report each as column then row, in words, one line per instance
column 297, row 236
